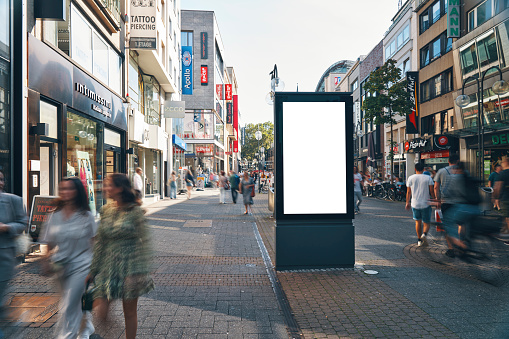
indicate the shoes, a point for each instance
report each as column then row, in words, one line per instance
column 356, row 212
column 245, row 212
column 420, row 243
column 450, row 253
column 424, row 240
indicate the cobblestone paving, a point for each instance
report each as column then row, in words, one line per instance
column 211, row 281
column 409, row 297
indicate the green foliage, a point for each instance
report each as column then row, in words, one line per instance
column 250, row 147
column 388, row 95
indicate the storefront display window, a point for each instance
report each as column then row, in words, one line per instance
column 152, row 171
column 219, row 133
column 198, row 126
column 5, row 122
column 85, row 156
column 151, row 95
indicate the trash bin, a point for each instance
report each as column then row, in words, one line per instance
column 271, row 199
column 486, row 194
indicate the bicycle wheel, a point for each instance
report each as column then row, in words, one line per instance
column 488, row 260
column 437, row 245
column 392, row 195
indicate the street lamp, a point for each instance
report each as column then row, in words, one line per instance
column 276, row 84
column 500, row 87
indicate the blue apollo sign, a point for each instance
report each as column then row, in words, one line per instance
column 187, row 70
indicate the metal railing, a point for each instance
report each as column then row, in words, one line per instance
column 114, row 8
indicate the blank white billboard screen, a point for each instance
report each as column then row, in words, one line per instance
column 314, row 158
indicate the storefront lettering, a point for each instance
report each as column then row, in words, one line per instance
column 82, row 89
column 187, row 76
column 501, row 139
column 416, row 144
column 100, row 110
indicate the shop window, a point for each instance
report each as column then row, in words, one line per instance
column 48, row 114
column 152, row 171
column 219, row 131
column 85, row 156
column 5, row 120
column 151, row 100
column 469, row 113
column 428, row 125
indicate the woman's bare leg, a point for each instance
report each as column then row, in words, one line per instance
column 131, row 317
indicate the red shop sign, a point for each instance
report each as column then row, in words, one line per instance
column 204, row 75
column 228, row 92
column 219, row 91
column 435, row 155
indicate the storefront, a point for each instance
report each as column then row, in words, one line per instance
column 77, row 126
column 179, row 148
column 496, row 148
column 432, row 152
column 5, row 94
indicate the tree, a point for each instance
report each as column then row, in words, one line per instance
column 250, row 147
column 386, row 98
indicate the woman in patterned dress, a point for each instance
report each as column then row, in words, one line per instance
column 122, row 254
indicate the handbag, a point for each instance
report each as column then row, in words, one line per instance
column 22, row 241
column 87, row 299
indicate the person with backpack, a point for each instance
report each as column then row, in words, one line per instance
column 460, row 194
column 234, row 184
column 419, row 192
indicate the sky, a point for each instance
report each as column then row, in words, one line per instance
column 302, row 37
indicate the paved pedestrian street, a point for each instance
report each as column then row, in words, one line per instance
column 214, row 279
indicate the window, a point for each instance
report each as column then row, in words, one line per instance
column 187, row 38
column 503, row 41
column 432, row 14
column 436, row 86
column 485, row 11
column 151, row 100
column 468, row 58
column 487, row 50
column 354, row 85
column 93, row 53
column 435, row 49
column 428, row 125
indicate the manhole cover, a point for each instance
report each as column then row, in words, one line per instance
column 251, row 265
column 198, row 223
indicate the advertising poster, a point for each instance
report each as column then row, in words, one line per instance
column 413, row 117
column 85, row 175
column 200, row 182
column 42, row 206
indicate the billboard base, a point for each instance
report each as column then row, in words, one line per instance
column 311, row 245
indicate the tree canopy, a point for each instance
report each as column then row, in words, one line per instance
column 250, row 147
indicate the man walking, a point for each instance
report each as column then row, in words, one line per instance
column 501, row 194
column 494, row 175
column 138, row 182
column 357, row 189
column 234, row 185
column 419, row 192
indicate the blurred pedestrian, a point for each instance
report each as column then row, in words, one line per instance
column 189, row 183
column 419, row 192
column 68, row 233
column 173, row 185
column 501, row 194
column 494, row 175
column 427, row 171
column 223, row 186
column 357, row 189
column 246, row 188
column 138, row 182
column 121, row 264
column 13, row 221
column 234, row 185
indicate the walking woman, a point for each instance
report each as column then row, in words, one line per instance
column 70, row 230
column 189, row 183
column 122, row 253
column 246, row 187
column 13, row 220
column 223, row 184
column 173, row 185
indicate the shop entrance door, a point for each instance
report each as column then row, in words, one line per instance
column 112, row 162
column 49, row 168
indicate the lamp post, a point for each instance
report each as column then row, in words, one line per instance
column 500, row 87
column 276, row 84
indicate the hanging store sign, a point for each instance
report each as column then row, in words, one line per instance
column 413, row 117
column 229, row 113
column 236, row 123
column 416, row 145
column 204, row 71
column 453, row 18
column 219, row 92
column 204, row 45
column 187, row 70
column 435, row 155
column 228, row 92
column 174, row 109
column 142, row 24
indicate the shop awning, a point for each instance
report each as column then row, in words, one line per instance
column 177, row 141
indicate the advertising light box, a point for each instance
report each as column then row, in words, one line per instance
column 314, row 156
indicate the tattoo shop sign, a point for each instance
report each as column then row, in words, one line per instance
column 142, row 25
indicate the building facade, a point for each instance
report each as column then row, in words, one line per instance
column 209, row 89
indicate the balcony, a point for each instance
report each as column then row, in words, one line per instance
column 108, row 11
